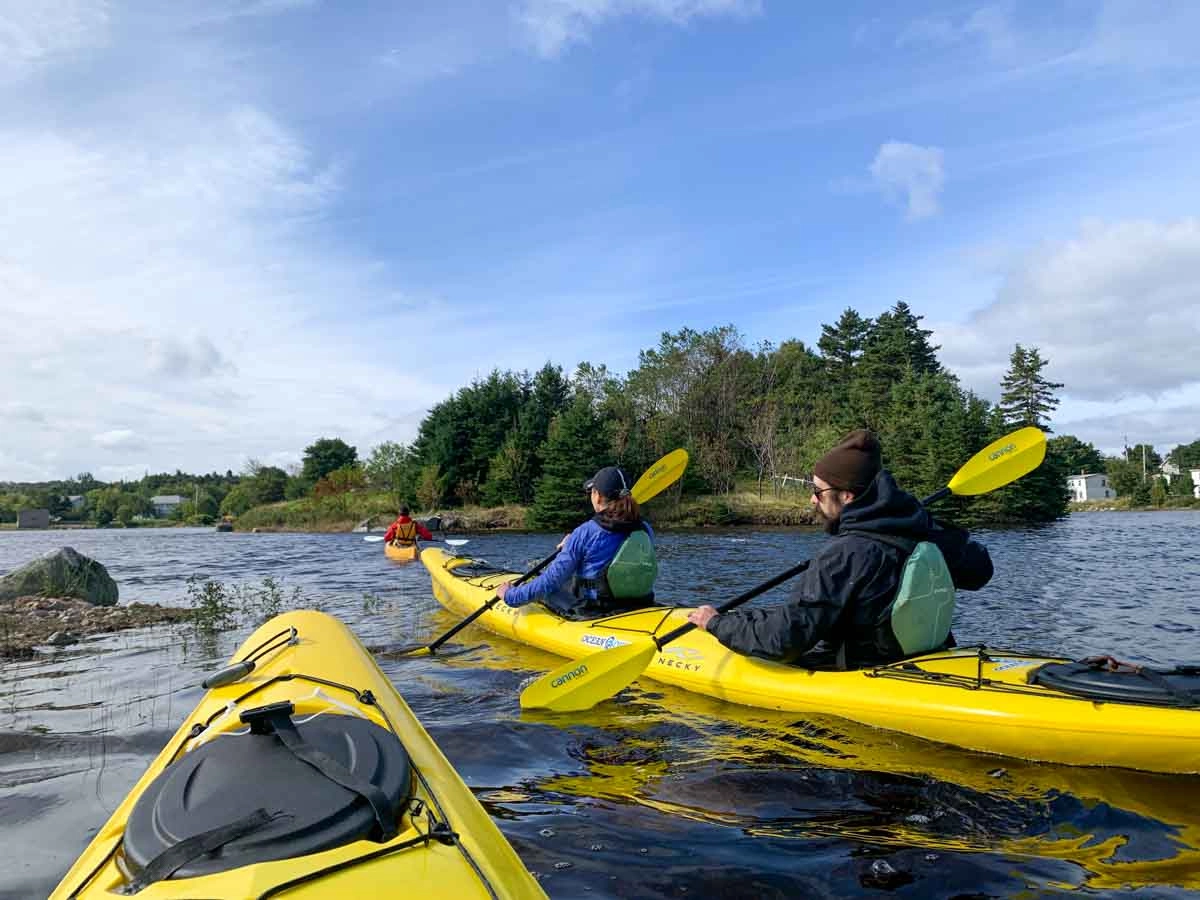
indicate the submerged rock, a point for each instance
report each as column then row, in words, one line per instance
column 61, row 573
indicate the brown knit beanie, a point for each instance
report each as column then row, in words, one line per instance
column 853, row 464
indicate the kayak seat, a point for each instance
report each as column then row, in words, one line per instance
column 1101, row 678
column 263, row 801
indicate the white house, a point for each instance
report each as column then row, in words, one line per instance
column 1196, row 483
column 1089, row 487
column 76, row 501
column 165, row 504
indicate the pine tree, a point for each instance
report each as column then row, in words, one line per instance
column 1027, row 399
column 841, row 345
column 576, row 447
column 896, row 345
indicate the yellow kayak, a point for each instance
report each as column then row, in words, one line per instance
column 976, row 698
column 401, row 553
column 302, row 775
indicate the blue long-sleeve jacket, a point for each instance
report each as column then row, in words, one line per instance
column 587, row 550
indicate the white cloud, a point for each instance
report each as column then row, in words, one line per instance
column 552, row 25
column 1116, row 310
column 34, row 33
column 168, row 282
column 912, row 172
column 119, row 439
column 989, row 25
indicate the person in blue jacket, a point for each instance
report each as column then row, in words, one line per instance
column 605, row 565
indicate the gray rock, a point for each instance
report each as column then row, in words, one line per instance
column 61, row 573
column 62, row 639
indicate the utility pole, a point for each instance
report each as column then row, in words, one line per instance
column 1143, row 461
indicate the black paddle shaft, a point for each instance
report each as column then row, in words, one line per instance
column 770, row 583
column 479, row 612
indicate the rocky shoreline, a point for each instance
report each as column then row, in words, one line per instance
column 29, row 622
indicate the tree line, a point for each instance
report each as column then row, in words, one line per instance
column 745, row 414
column 748, row 415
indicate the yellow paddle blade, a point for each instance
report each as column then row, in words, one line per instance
column 660, row 476
column 1000, row 462
column 582, row 683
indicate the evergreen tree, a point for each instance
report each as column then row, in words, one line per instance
column 841, row 345
column 576, row 447
column 1028, row 398
column 896, row 344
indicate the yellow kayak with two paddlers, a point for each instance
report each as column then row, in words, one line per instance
column 301, row 773
column 985, row 699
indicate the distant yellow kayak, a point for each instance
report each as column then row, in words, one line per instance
column 401, row 553
column 976, row 698
column 306, row 775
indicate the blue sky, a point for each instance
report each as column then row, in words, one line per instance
column 228, row 228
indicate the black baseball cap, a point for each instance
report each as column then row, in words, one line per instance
column 611, row 482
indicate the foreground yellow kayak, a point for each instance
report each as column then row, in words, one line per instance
column 405, row 553
column 976, row 698
column 304, row 775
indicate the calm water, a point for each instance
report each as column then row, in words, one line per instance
column 659, row 793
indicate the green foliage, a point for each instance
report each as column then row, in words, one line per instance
column 1158, row 492
column 1079, row 457
column 575, row 449
column 1186, row 456
column 269, row 485
column 1123, row 476
column 238, row 500
column 1027, row 397
column 429, row 487
column 1144, row 456
column 513, row 438
column 327, row 455
column 389, row 468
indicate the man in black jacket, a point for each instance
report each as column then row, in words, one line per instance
column 837, row 614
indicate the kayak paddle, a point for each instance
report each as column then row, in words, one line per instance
column 654, row 480
column 456, row 542
column 582, row 683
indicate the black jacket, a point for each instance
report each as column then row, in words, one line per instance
column 842, row 596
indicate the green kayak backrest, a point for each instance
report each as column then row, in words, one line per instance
column 924, row 606
column 633, row 569
column 923, row 610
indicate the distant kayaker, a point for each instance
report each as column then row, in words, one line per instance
column 841, row 613
column 405, row 531
column 605, row 565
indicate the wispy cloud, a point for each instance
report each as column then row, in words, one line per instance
column 553, row 25
column 35, row 33
column 988, row 25
column 179, row 259
column 911, row 173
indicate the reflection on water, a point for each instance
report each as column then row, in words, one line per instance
column 659, row 793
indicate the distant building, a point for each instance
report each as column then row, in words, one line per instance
column 1196, row 483
column 76, row 501
column 1089, row 487
column 165, row 504
column 33, row 518
column 1169, row 470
